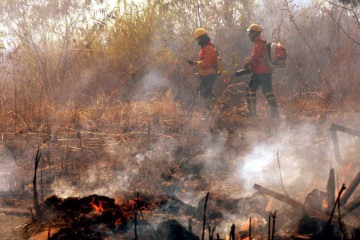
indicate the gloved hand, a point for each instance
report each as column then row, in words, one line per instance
column 247, row 65
column 192, row 62
column 242, row 72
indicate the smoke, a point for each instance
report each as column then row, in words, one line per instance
column 213, row 155
column 153, row 82
column 297, row 158
column 95, row 180
column 9, row 171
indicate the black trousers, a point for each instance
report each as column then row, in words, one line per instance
column 265, row 81
column 205, row 89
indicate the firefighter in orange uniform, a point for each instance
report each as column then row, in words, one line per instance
column 261, row 73
column 206, row 64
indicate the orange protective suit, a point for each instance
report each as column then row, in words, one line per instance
column 257, row 62
column 207, row 60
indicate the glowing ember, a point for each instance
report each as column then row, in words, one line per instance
column 325, row 204
column 255, row 222
column 269, row 206
column 117, row 222
column 98, row 209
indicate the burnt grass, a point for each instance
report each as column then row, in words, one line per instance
column 164, row 167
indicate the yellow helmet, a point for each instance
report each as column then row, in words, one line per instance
column 254, row 28
column 199, row 32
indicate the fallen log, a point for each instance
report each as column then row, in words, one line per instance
column 311, row 212
column 351, row 206
column 336, row 146
column 353, row 185
column 292, row 202
column 336, row 127
column 330, row 191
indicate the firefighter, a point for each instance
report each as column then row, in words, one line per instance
column 207, row 64
column 261, row 73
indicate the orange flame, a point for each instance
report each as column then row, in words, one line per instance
column 245, row 228
column 269, row 206
column 98, row 209
column 255, row 222
column 325, row 204
column 117, row 222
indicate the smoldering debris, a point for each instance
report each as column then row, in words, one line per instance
column 97, row 217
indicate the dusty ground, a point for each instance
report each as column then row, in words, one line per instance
column 13, row 216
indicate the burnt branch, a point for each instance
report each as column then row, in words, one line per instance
column 337, row 203
column 330, row 190
column 292, row 202
column 351, row 206
column 35, row 194
column 232, row 232
column 273, row 226
column 350, row 190
column 204, row 220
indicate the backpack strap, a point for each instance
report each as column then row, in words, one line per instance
column 218, row 55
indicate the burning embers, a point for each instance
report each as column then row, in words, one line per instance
column 98, row 209
column 322, row 212
column 100, row 217
column 89, row 217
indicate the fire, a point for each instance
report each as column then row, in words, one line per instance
column 346, row 173
column 98, row 209
column 117, row 222
column 245, row 228
column 325, row 204
column 269, row 206
column 255, row 222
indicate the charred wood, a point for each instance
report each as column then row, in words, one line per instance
column 351, row 206
column 172, row 230
column 136, row 213
column 273, row 226
column 353, row 185
column 337, row 204
column 209, row 230
column 218, row 206
column 335, row 127
column 212, row 232
column 309, row 211
column 232, row 232
column 291, row 202
column 335, row 141
column 250, row 228
column 35, row 194
column 330, row 190
column 269, row 226
column 190, row 225
column 315, row 200
column 204, row 219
